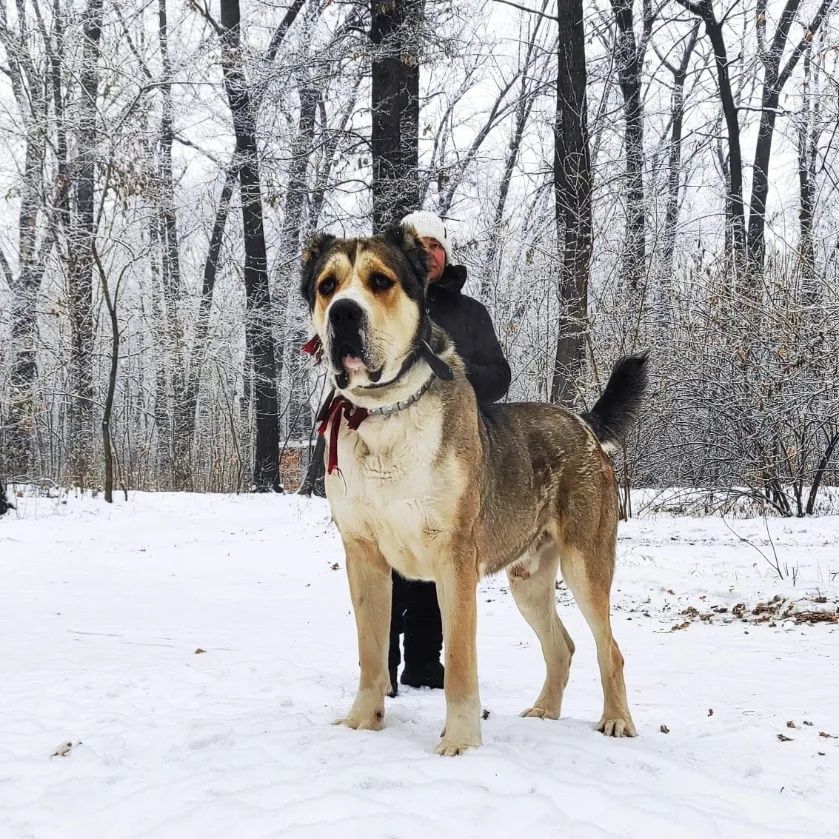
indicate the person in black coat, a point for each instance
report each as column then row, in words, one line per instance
column 415, row 611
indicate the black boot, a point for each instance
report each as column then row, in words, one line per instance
column 430, row 674
column 397, row 627
column 423, row 637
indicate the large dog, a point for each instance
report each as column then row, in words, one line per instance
column 422, row 480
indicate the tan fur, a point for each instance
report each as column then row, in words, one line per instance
column 441, row 494
column 370, row 588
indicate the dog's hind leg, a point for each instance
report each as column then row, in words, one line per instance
column 457, row 583
column 533, row 585
column 588, row 573
column 370, row 587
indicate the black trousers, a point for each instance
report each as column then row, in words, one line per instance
column 416, row 613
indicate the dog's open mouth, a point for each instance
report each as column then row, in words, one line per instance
column 350, row 362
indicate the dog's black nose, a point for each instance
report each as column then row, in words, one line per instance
column 345, row 313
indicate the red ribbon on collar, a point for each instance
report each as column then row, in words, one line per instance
column 314, row 348
column 332, row 411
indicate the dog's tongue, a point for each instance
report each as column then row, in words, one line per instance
column 352, row 363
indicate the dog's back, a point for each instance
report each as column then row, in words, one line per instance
column 543, row 465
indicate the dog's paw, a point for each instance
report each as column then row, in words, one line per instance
column 541, row 713
column 363, row 722
column 450, row 747
column 457, row 737
column 617, row 727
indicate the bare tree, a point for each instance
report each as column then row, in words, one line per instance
column 630, row 54
column 258, row 334
column 186, row 408
column 170, row 252
column 30, row 89
column 394, row 35
column 80, row 252
column 674, row 176
column 735, row 213
column 528, row 88
column 809, row 126
column 572, row 185
column 775, row 78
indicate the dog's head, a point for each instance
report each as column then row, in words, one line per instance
column 366, row 298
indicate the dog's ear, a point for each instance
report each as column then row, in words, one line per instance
column 406, row 240
column 315, row 248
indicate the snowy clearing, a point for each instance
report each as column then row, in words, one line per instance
column 103, row 610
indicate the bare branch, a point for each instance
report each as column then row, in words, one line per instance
column 812, row 29
column 6, row 268
column 526, row 9
column 281, row 31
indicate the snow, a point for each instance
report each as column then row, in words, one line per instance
column 103, row 609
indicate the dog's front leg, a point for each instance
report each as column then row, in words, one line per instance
column 457, row 583
column 370, row 588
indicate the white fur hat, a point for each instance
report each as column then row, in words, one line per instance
column 427, row 225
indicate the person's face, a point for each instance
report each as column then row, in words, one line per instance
column 436, row 256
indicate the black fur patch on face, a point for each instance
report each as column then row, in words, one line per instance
column 316, row 249
column 415, row 270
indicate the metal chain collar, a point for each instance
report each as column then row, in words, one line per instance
column 386, row 410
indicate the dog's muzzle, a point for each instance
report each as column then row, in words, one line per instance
column 347, row 328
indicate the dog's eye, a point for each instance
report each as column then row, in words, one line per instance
column 379, row 282
column 327, row 286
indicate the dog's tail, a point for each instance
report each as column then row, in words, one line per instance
column 616, row 410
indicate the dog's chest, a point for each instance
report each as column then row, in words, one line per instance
column 393, row 489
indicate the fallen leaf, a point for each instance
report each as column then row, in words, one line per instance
column 65, row 748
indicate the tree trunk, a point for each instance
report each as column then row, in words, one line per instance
column 808, row 134
column 80, row 278
column 25, row 288
column 29, row 87
column 572, row 188
column 107, row 412
column 171, row 262
column 5, row 504
column 395, row 109
column 299, row 414
column 629, row 63
column 491, row 263
column 185, row 411
column 736, row 223
column 663, row 292
column 258, row 336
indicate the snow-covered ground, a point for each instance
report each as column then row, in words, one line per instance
column 194, row 650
